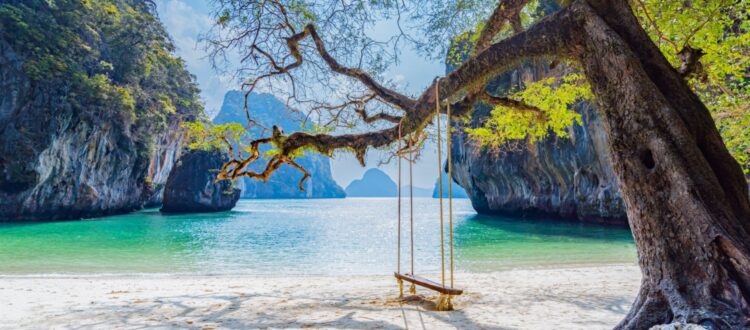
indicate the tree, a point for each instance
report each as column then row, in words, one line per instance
column 686, row 197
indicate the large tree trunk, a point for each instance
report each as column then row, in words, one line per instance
column 686, row 197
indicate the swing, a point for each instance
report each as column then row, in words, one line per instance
column 446, row 291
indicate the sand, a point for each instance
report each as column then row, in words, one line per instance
column 566, row 298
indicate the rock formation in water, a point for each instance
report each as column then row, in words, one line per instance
column 569, row 178
column 91, row 100
column 191, row 185
column 284, row 183
column 458, row 191
column 374, row 183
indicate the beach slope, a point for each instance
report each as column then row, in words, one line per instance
column 566, row 298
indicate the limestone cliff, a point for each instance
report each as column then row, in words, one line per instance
column 91, row 100
column 569, row 178
column 283, row 183
column 191, row 187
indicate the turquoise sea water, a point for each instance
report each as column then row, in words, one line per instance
column 327, row 237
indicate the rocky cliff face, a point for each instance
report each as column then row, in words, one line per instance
column 168, row 149
column 88, row 120
column 283, row 183
column 569, row 178
column 190, row 187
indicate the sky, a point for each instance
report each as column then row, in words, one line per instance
column 186, row 20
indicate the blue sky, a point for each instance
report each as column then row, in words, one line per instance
column 186, row 20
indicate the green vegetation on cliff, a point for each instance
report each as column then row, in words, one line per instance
column 110, row 53
column 92, row 102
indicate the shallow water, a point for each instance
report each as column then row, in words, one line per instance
column 296, row 237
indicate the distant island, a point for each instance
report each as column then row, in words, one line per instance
column 269, row 111
column 375, row 183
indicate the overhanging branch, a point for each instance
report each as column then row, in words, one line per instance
column 548, row 37
column 379, row 116
column 387, row 95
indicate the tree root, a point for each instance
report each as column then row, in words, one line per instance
column 652, row 310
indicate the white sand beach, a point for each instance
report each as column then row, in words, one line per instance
column 567, row 298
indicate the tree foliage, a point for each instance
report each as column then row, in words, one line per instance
column 554, row 97
column 708, row 40
column 716, row 33
column 206, row 136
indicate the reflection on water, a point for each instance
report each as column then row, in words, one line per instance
column 337, row 236
column 490, row 243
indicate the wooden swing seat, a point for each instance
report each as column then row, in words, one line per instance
column 425, row 283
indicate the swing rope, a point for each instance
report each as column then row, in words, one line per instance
column 413, row 287
column 450, row 187
column 398, row 242
column 440, row 182
column 444, row 300
column 450, row 184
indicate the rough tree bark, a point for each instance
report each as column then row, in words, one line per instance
column 686, row 196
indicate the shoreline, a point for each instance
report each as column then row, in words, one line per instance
column 126, row 275
column 592, row 297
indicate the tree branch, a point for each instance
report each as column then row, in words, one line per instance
column 548, row 37
column 515, row 104
column 384, row 93
column 690, row 64
column 379, row 116
column 507, row 10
